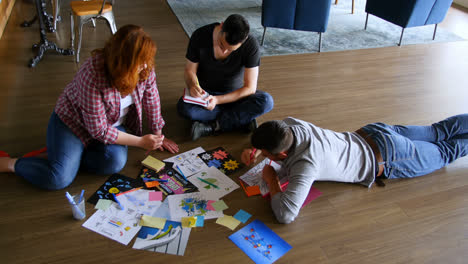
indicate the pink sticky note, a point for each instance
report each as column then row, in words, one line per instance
column 313, row 194
column 155, row 196
column 209, row 205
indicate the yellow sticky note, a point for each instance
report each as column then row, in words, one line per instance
column 189, row 221
column 228, row 221
column 150, row 221
column 153, row 163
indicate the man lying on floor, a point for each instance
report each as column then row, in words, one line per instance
column 309, row 153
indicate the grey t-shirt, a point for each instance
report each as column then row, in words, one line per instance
column 320, row 155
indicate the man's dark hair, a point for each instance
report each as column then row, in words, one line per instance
column 236, row 29
column 273, row 136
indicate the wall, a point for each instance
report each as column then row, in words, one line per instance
column 5, row 10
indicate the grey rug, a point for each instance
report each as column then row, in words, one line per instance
column 345, row 30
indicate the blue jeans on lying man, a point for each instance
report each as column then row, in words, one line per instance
column 230, row 116
column 66, row 154
column 412, row 151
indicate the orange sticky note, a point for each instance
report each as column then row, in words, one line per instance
column 250, row 190
column 151, row 184
column 253, row 190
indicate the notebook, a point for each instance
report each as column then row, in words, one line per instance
column 195, row 100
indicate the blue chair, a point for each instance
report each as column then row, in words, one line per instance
column 306, row 15
column 409, row 13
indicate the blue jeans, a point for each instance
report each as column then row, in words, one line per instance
column 230, row 116
column 66, row 154
column 412, row 151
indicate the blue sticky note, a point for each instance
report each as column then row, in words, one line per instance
column 242, row 216
column 200, row 221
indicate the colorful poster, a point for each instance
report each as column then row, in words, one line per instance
column 170, row 181
column 213, row 183
column 190, row 204
column 172, row 239
column 115, row 184
column 260, row 243
column 221, row 159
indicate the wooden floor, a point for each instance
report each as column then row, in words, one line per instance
column 422, row 220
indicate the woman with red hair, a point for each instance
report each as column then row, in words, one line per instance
column 99, row 114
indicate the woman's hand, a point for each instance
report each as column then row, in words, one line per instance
column 169, row 145
column 151, row 142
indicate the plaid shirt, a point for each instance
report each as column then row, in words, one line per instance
column 89, row 105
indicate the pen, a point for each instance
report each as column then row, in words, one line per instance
column 81, row 196
column 252, row 154
column 207, row 182
column 177, row 166
column 72, row 202
column 159, row 180
column 120, row 205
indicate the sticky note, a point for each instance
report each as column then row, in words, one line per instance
column 190, row 221
column 209, row 205
column 150, row 221
column 253, row 190
column 242, row 216
column 200, row 221
column 103, row 204
column 152, row 184
column 219, row 205
column 153, row 163
column 228, row 221
column 155, row 196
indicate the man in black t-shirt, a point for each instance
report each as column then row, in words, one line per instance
column 223, row 61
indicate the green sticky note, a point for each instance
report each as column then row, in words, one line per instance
column 219, row 205
column 103, row 204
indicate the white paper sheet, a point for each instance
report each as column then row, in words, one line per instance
column 223, row 183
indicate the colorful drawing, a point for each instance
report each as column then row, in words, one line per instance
column 260, row 243
column 190, row 204
column 115, row 184
column 221, row 159
column 213, row 183
column 173, row 182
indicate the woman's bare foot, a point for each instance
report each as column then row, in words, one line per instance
column 7, row 164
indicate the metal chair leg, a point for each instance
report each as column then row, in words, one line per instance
column 109, row 17
column 56, row 7
column 263, row 38
column 320, row 41
column 401, row 37
column 72, row 31
column 80, row 31
column 367, row 18
column 435, row 30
